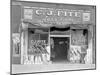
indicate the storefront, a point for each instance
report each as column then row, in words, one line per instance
column 55, row 34
column 72, row 38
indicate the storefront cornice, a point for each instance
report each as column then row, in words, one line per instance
column 63, row 9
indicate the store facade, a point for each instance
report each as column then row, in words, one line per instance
column 53, row 34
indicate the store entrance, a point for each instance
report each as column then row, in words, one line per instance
column 59, row 49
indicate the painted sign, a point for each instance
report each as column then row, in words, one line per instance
column 37, row 47
column 52, row 16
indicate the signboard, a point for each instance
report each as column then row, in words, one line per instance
column 37, row 47
column 52, row 16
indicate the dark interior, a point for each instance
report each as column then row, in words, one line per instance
column 59, row 29
column 60, row 50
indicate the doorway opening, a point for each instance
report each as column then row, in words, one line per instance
column 59, row 49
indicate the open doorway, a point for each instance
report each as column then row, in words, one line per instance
column 59, row 49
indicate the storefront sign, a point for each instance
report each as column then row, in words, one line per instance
column 52, row 16
column 37, row 47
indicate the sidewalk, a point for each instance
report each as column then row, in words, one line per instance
column 49, row 67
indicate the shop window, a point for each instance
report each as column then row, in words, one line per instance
column 79, row 45
column 79, row 37
column 44, row 37
column 37, row 41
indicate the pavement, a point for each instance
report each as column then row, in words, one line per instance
column 29, row 68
